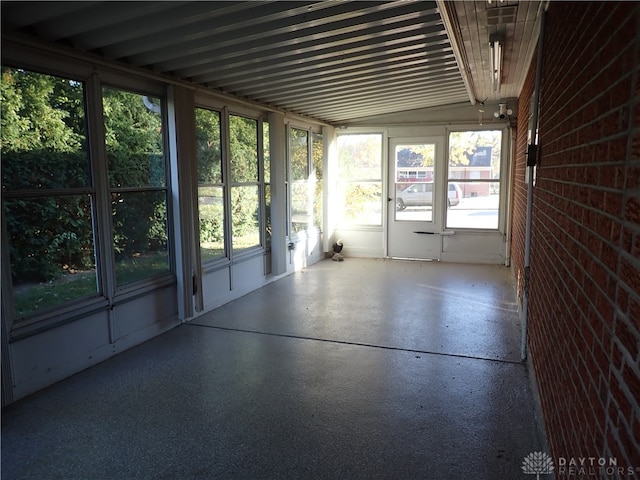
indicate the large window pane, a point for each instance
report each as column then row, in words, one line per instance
column 52, row 260
column 208, row 146
column 360, row 179
column 474, row 179
column 137, row 177
column 41, row 169
column 299, row 151
column 210, row 187
column 362, row 203
column 134, row 139
column 300, row 206
column 267, row 220
column 267, row 185
column 43, row 139
column 267, row 152
column 360, row 156
column 317, row 153
column 245, row 217
column 244, row 149
column 211, row 218
column 301, row 202
column 44, row 147
column 140, row 235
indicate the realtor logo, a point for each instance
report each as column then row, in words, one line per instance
column 537, row 463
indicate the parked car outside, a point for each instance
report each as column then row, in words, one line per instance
column 421, row 194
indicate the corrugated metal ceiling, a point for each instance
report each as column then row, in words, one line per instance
column 331, row 60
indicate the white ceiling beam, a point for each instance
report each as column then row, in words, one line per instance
column 450, row 24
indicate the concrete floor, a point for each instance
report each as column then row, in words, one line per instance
column 359, row 369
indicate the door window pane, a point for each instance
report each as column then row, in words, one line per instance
column 414, row 188
column 474, row 179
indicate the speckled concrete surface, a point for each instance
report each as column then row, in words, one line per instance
column 366, row 374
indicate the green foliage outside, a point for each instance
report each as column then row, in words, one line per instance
column 306, row 186
column 360, row 174
column 43, row 147
column 47, row 187
column 245, row 198
column 245, row 225
column 462, row 146
column 245, row 201
column 210, row 189
column 244, row 149
column 317, row 154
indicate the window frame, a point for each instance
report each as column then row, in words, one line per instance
column 253, row 250
column 225, row 257
column 107, row 296
column 160, row 279
column 381, row 181
column 309, row 181
column 500, row 170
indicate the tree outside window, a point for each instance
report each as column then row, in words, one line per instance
column 134, row 138
column 245, row 183
column 474, row 171
column 210, row 185
column 360, row 179
column 47, row 192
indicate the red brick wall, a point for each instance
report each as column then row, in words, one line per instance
column 584, row 304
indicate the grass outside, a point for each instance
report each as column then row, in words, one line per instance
column 32, row 298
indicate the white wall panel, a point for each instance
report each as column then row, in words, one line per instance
column 43, row 359
column 474, row 248
column 362, row 243
column 145, row 317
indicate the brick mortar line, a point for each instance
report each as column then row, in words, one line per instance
column 620, row 220
column 582, row 269
column 551, row 264
column 576, row 53
column 592, row 100
column 568, row 49
column 590, row 186
column 616, row 136
column 633, row 162
column 633, row 100
column 612, row 274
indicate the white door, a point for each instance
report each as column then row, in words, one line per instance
column 416, row 195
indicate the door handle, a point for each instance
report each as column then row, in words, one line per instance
column 389, row 199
